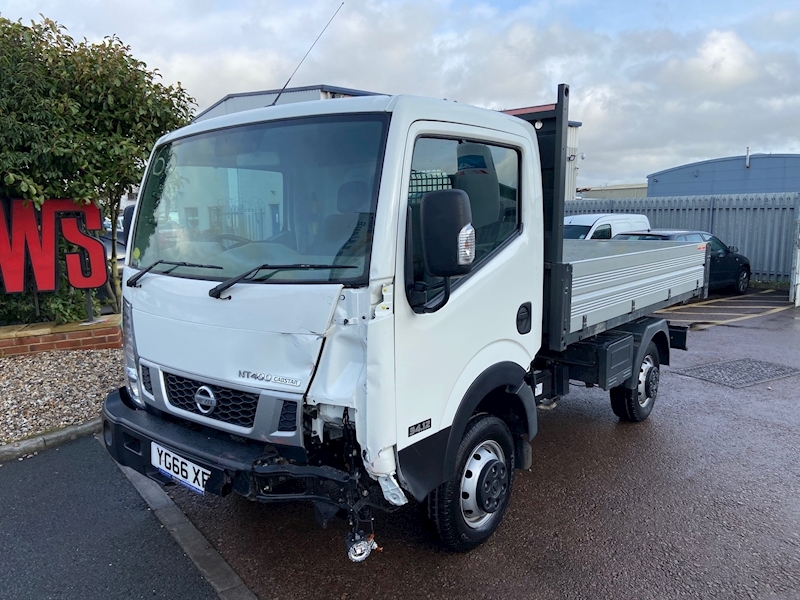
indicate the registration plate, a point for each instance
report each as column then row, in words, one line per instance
column 178, row 468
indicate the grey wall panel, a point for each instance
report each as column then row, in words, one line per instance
column 762, row 226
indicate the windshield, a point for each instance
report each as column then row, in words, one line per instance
column 295, row 192
column 576, row 232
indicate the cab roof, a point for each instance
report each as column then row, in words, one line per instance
column 411, row 108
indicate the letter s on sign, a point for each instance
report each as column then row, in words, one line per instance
column 95, row 252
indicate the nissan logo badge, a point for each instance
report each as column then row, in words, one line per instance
column 205, row 400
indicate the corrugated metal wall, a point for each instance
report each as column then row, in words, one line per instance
column 762, row 226
column 794, row 288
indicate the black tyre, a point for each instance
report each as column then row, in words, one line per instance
column 742, row 282
column 467, row 510
column 635, row 405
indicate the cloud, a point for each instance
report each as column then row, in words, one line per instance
column 652, row 92
column 722, row 62
column 704, row 98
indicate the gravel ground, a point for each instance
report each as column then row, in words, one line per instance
column 50, row 390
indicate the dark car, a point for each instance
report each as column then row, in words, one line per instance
column 728, row 267
column 105, row 238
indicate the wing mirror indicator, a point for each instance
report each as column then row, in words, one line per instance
column 466, row 245
column 448, row 245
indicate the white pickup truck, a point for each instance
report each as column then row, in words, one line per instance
column 361, row 302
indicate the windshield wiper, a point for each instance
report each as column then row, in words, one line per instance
column 216, row 291
column 134, row 279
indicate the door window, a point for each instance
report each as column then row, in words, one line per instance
column 489, row 174
column 602, row 233
column 716, row 245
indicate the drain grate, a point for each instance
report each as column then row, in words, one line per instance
column 740, row 373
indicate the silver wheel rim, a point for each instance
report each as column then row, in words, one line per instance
column 474, row 516
column 647, row 364
column 743, row 279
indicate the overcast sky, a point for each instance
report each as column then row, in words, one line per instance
column 655, row 84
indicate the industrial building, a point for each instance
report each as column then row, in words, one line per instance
column 748, row 174
column 625, row 190
column 572, row 141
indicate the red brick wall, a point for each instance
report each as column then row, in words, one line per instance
column 89, row 338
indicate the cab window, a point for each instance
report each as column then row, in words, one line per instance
column 489, row 174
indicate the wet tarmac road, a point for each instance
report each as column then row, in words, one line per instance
column 724, row 309
column 700, row 501
column 72, row 527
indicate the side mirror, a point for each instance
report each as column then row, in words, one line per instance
column 732, row 249
column 448, row 238
column 127, row 217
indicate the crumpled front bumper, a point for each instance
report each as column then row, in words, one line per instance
column 255, row 470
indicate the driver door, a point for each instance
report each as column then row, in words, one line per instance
column 440, row 354
column 721, row 269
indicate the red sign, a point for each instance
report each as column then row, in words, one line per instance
column 24, row 238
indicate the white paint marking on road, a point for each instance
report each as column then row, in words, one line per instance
column 764, row 314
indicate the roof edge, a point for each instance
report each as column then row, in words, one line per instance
column 305, row 88
column 741, row 157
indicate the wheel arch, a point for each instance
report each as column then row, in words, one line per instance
column 500, row 390
column 661, row 340
column 644, row 331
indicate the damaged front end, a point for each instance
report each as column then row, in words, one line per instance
column 332, row 476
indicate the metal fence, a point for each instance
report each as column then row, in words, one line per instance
column 762, row 226
column 794, row 288
column 245, row 219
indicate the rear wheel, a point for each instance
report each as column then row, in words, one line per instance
column 467, row 510
column 742, row 282
column 635, row 405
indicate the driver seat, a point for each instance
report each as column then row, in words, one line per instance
column 341, row 232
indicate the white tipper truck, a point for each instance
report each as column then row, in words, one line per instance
column 361, row 302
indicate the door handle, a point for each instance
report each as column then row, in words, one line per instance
column 524, row 318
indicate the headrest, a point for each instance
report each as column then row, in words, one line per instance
column 477, row 176
column 353, row 197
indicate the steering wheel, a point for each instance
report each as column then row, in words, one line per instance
column 237, row 239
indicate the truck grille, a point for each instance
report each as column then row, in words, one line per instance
column 233, row 406
column 288, row 420
column 146, row 381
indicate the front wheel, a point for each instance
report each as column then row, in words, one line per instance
column 467, row 510
column 635, row 405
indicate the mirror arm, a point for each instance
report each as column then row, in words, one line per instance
column 445, row 298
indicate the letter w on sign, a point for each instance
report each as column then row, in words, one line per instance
column 25, row 238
